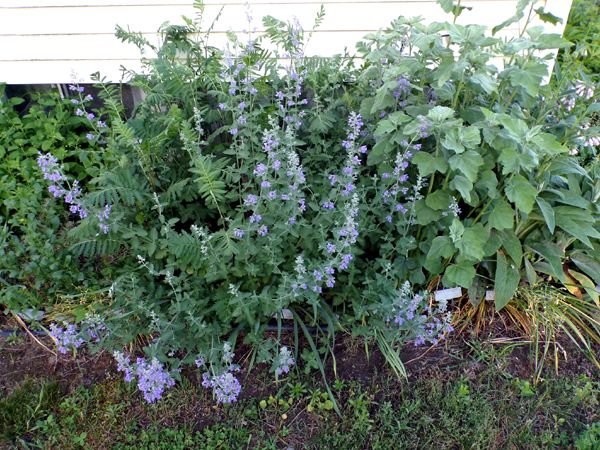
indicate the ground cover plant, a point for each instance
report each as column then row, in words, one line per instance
column 464, row 396
column 256, row 189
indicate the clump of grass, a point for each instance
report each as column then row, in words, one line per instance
column 30, row 402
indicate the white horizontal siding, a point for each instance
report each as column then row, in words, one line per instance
column 47, row 41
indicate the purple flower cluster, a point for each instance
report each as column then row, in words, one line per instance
column 103, row 217
column 226, row 387
column 338, row 255
column 152, row 377
column 414, row 314
column 394, row 186
column 94, row 328
column 66, row 338
column 284, row 361
column 403, row 88
column 52, row 171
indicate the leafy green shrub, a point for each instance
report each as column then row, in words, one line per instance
column 245, row 189
column 583, row 28
column 36, row 264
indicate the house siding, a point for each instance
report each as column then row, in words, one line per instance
column 59, row 41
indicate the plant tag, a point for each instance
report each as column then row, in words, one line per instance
column 448, row 294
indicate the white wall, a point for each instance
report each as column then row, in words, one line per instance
column 50, row 41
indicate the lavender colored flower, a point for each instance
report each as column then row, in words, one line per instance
column 284, row 361
column 124, row 365
column 330, row 247
column 233, row 131
column 345, row 263
column 90, row 136
column 255, row 218
column 91, row 116
column 222, row 106
column 328, row 205
column 251, row 199
column 79, row 112
column 74, row 101
column 226, row 387
column 101, row 124
column 260, row 170
column 153, row 379
column 272, row 195
column 88, row 98
column 65, row 338
column 263, row 231
column 238, row 233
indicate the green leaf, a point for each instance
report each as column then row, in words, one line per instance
column 506, row 281
column 519, row 191
column 553, row 255
column 440, row 113
column 489, row 182
column 548, row 144
column 441, row 247
column 532, row 277
column 485, row 82
column 425, row 215
column 428, row 164
column 512, row 245
column 447, row 5
column 587, row 264
column 547, row 17
column 521, row 5
column 547, row 213
column 502, row 215
column 468, row 163
column 462, row 185
column 438, row 200
column 461, row 274
column 472, row 242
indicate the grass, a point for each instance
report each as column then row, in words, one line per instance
column 476, row 403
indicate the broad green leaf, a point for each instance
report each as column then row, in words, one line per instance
column 587, row 264
column 519, row 191
column 532, row 277
column 447, row 5
column 489, row 182
column 468, row 163
column 502, row 215
column 472, row 242
column 441, row 247
column 461, row 274
column 548, row 144
column 438, row 200
column 425, row 215
column 384, row 127
column 493, row 244
column 553, row 255
column 485, row 82
column 521, row 5
column 547, row 213
column 453, row 142
column 470, row 136
column 588, row 285
column 443, row 72
column 462, row 185
column 457, row 230
column 512, row 245
column 428, row 163
column 440, row 113
column 547, row 17
column 506, row 281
